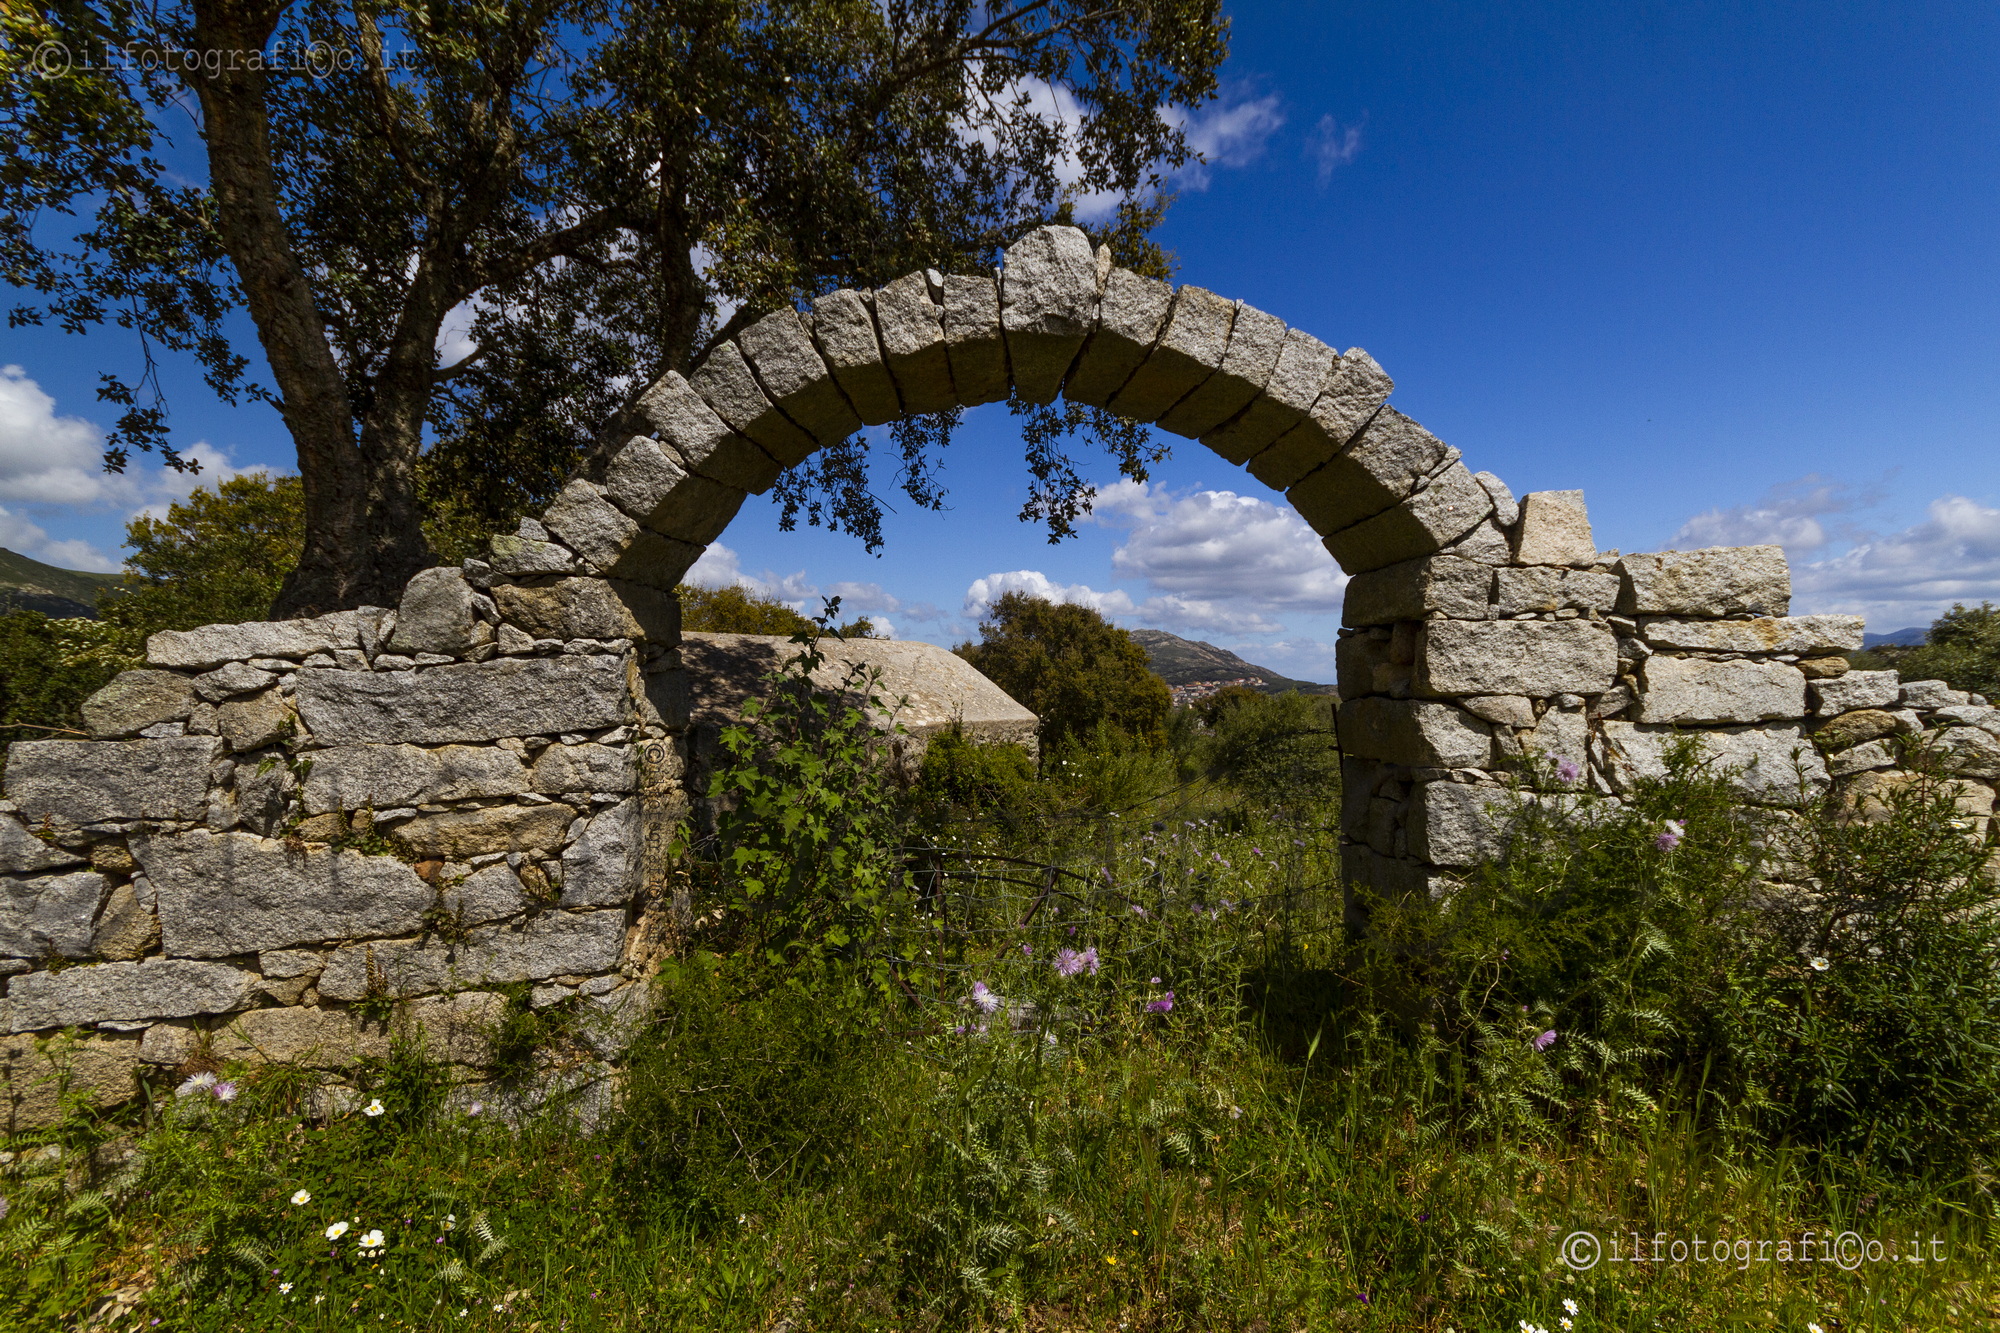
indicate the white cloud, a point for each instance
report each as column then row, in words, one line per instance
column 1910, row 577
column 30, row 539
column 46, row 458
column 983, row 592
column 1788, row 515
column 1226, row 134
column 1331, row 146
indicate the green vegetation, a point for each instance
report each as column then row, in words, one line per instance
column 1073, row 669
column 736, row 610
column 1963, row 651
column 1149, row 1066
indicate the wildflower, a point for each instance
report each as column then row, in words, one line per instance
column 1567, row 1323
column 1569, row 1305
column 373, row 1108
column 1671, row 837
column 318, row 1299
column 984, row 998
column 1163, row 1005
column 372, row 1243
column 1814, row 1328
column 1546, row 1040
column 336, row 1231
column 1138, row 910
column 1820, row 964
column 224, row 1092
column 475, row 1108
column 1027, row 951
column 199, row 1083
column 1567, row 771
column 450, row 1221
column 1069, row 962
column 1154, row 982
column 1235, row 1113
column 284, row 1288
column 303, row 1196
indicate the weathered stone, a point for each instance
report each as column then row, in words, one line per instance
column 1856, row 689
column 252, row 723
column 1824, row 668
column 492, row 894
column 1693, row 689
column 1527, row 657
column 1860, row 759
column 96, row 1070
column 1356, row 658
column 604, row 867
column 232, row 893
column 1767, row 764
column 1354, row 390
column 135, row 700
column 155, row 988
column 90, row 782
column 565, row 768
column 1190, row 347
column 843, row 326
column 279, row 964
column 460, row 834
column 1418, row 590
column 435, row 615
column 52, row 915
column 1554, row 530
column 651, row 484
column 795, row 379
column 550, row 944
column 1766, row 634
column 125, row 930
column 232, row 679
column 517, row 556
column 1247, row 363
column 1130, row 318
column 1864, row 724
column 1456, row 824
column 476, row 701
column 590, row 609
column 383, row 777
column 1368, row 873
column 455, row 1029
column 1878, row 797
column 973, row 341
column 1448, row 507
column 1718, row 581
column 1412, row 731
column 1484, row 544
column 212, row 645
column 1552, row 588
column 1510, row 710
column 22, row 853
column 1392, row 458
column 1048, row 302
column 1983, row 716
column 1304, row 364
column 911, row 325
column 1927, row 694
column 599, row 532
column 680, row 421
column 1506, row 509
column 1560, row 735
column 724, row 381
column 315, row 1038
column 1969, row 751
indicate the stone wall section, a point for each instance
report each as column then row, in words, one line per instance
column 211, row 878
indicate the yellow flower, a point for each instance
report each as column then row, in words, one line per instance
column 1109, row 1260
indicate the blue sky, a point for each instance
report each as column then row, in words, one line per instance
column 1729, row 269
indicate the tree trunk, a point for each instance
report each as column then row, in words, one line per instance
column 362, row 539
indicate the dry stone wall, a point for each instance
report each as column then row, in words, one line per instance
column 210, row 878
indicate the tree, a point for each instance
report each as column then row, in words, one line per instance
column 218, row 557
column 1072, row 668
column 1963, row 650
column 734, row 610
column 600, row 189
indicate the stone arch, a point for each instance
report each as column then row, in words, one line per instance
column 1056, row 318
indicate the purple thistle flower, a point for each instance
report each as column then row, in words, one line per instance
column 1670, row 838
column 224, row 1092
column 1027, row 950
column 1163, row 1005
column 1567, row 771
column 984, row 998
column 1089, row 957
column 1546, row 1040
column 1068, row 962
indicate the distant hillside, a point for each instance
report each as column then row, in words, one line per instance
column 57, row 593
column 1181, row 662
column 1900, row 638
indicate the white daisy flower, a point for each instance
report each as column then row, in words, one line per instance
column 373, row 1108
column 336, row 1231
column 302, row 1196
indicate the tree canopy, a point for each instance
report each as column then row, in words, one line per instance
column 736, row 610
column 463, row 232
column 1963, row 650
column 1072, row 668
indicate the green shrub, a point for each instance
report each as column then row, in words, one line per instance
column 1963, row 651
column 958, row 773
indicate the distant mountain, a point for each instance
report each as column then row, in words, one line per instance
column 60, row 594
column 1181, row 661
column 1901, row 638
